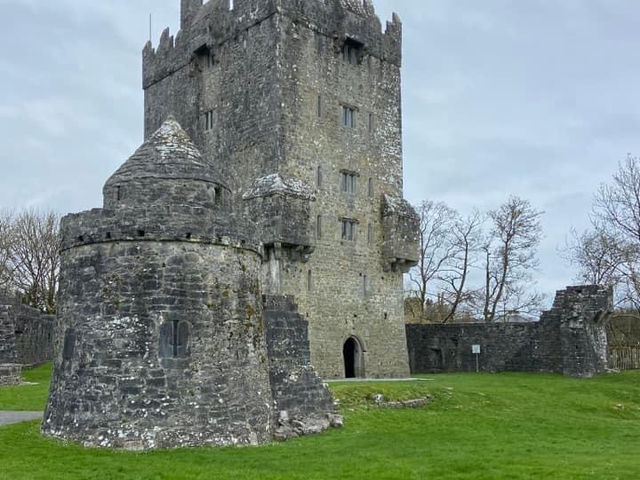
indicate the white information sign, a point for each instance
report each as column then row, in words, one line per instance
column 475, row 348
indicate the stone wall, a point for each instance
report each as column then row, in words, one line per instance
column 303, row 403
column 7, row 333
column 570, row 339
column 25, row 334
column 34, row 336
column 10, row 374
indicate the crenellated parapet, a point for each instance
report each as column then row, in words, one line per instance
column 400, row 224
column 205, row 27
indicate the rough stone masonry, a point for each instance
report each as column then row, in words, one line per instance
column 291, row 100
column 164, row 337
column 25, row 339
column 571, row 339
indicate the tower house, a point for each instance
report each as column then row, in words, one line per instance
column 298, row 106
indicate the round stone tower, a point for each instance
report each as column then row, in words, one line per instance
column 160, row 333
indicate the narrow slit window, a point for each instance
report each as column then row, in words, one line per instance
column 348, row 117
column 309, row 281
column 319, row 177
column 370, row 122
column 319, row 227
column 365, row 285
column 174, row 339
column 370, row 187
column 370, row 234
column 208, row 120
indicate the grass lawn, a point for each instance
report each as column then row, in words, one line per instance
column 30, row 397
column 507, row 426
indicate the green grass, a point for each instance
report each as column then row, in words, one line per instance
column 30, row 397
column 507, row 426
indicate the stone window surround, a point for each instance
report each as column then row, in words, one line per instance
column 348, row 115
column 348, row 229
column 349, row 182
column 351, row 51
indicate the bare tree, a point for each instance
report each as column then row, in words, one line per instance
column 615, row 240
column 597, row 255
column 465, row 245
column 34, row 259
column 6, row 246
column 436, row 248
column 509, row 253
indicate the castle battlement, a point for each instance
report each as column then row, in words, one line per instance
column 206, row 27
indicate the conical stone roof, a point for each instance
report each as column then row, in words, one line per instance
column 168, row 154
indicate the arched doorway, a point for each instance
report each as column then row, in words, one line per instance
column 353, row 359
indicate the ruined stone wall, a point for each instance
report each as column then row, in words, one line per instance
column 303, row 404
column 25, row 334
column 569, row 339
column 34, row 336
column 447, row 348
column 7, row 334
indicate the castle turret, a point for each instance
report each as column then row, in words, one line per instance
column 160, row 336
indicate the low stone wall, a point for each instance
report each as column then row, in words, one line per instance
column 9, row 374
column 25, row 334
column 570, row 339
column 503, row 347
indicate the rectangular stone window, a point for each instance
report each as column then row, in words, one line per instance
column 348, row 182
column 351, row 51
column 370, row 187
column 319, row 227
column 371, row 123
column 348, row 116
column 309, row 281
column 174, row 340
column 208, row 120
column 349, row 227
column 319, row 176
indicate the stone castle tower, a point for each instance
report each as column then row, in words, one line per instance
column 296, row 104
column 163, row 336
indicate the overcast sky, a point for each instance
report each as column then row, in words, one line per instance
column 539, row 98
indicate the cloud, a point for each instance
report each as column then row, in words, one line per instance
column 535, row 98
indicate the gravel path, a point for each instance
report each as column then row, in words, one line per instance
column 7, row 418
